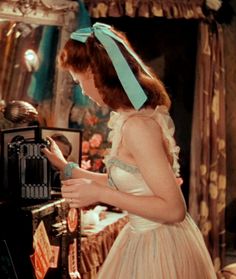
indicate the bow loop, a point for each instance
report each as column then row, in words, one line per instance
column 109, row 39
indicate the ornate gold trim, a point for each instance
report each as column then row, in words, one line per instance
column 45, row 12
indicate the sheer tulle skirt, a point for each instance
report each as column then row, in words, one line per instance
column 167, row 252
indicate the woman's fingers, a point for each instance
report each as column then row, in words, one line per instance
column 45, row 151
column 79, row 192
column 74, row 205
column 72, row 187
column 78, row 181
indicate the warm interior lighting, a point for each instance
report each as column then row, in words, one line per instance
column 30, row 55
column 31, row 60
column 11, row 29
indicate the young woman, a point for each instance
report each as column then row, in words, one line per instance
column 161, row 240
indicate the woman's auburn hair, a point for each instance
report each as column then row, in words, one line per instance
column 79, row 57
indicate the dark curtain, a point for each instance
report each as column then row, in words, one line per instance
column 208, row 150
column 146, row 8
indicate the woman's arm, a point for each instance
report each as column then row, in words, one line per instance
column 143, row 139
column 100, row 178
column 57, row 159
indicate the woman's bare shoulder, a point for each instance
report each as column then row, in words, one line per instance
column 141, row 133
column 141, row 125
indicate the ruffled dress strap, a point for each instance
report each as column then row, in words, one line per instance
column 161, row 116
column 115, row 125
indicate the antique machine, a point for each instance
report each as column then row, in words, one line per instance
column 40, row 234
column 39, row 241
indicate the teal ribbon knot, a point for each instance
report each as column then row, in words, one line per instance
column 108, row 38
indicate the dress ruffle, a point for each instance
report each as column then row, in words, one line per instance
column 168, row 252
column 161, row 115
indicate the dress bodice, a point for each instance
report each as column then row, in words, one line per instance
column 144, row 248
column 128, row 178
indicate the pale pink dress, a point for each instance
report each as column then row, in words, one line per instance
column 145, row 249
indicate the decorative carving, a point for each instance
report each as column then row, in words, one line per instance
column 58, row 5
column 25, row 6
column 28, row 6
column 48, row 12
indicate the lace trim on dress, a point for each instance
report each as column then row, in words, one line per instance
column 161, row 115
column 168, row 129
column 114, row 161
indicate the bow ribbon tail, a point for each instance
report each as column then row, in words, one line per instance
column 129, row 82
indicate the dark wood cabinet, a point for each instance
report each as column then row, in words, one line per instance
column 25, row 232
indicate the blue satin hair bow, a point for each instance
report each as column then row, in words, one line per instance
column 108, row 38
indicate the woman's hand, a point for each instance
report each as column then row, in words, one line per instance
column 55, row 155
column 81, row 192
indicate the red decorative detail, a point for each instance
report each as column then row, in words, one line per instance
column 72, row 219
